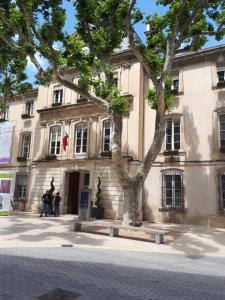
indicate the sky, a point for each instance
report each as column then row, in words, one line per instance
column 146, row 6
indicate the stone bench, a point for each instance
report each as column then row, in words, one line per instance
column 114, row 230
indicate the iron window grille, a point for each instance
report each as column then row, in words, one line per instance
column 221, row 204
column 222, row 131
column 172, row 191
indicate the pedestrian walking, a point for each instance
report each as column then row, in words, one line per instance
column 45, row 201
column 56, row 204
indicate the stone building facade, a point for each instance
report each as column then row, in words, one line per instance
column 187, row 181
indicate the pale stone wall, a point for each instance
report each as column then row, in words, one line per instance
column 40, row 183
column 112, row 194
column 197, row 107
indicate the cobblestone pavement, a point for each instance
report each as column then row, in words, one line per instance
column 191, row 265
column 101, row 274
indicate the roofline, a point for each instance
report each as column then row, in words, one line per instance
column 27, row 92
column 188, row 56
column 184, row 57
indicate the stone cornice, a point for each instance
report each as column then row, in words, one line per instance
column 70, row 112
column 203, row 54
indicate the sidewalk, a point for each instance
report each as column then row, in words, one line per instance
column 28, row 230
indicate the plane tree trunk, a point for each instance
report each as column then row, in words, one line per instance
column 132, row 185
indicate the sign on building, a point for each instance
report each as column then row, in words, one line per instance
column 7, row 185
column 6, row 131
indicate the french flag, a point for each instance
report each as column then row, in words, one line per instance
column 65, row 139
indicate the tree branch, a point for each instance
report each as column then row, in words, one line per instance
column 132, row 36
column 71, row 85
column 153, row 150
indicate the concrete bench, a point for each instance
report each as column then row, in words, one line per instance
column 114, row 230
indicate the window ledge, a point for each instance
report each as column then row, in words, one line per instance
column 173, row 209
column 177, row 93
column 50, row 157
column 218, row 86
column 22, row 159
column 57, row 104
column 27, row 116
column 220, row 212
column 106, row 154
column 172, row 153
column 3, row 120
column 80, row 156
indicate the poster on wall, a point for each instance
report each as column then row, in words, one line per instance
column 7, row 185
column 6, row 132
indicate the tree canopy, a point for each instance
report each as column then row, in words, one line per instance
column 31, row 27
column 28, row 27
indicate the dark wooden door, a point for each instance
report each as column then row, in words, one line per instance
column 73, row 193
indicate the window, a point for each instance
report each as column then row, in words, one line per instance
column 21, row 191
column 222, row 130
column 222, row 191
column 55, row 140
column 86, row 179
column 173, row 134
column 220, row 73
column 26, row 145
column 81, row 138
column 175, row 85
column 107, row 131
column 5, row 114
column 21, row 187
column 29, row 108
column 57, row 96
column 115, row 79
column 173, row 190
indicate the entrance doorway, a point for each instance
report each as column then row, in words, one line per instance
column 73, row 192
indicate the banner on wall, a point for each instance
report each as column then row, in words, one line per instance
column 7, row 186
column 6, row 132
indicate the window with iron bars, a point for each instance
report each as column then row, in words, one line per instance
column 172, row 191
column 221, row 204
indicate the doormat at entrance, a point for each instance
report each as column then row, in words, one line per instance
column 59, row 294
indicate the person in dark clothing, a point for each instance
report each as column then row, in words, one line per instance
column 56, row 204
column 45, row 201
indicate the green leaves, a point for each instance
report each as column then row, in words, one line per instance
column 28, row 27
column 101, row 24
column 12, row 72
column 168, row 96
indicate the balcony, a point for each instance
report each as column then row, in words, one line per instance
column 56, row 104
column 26, row 116
column 21, row 159
column 221, row 84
